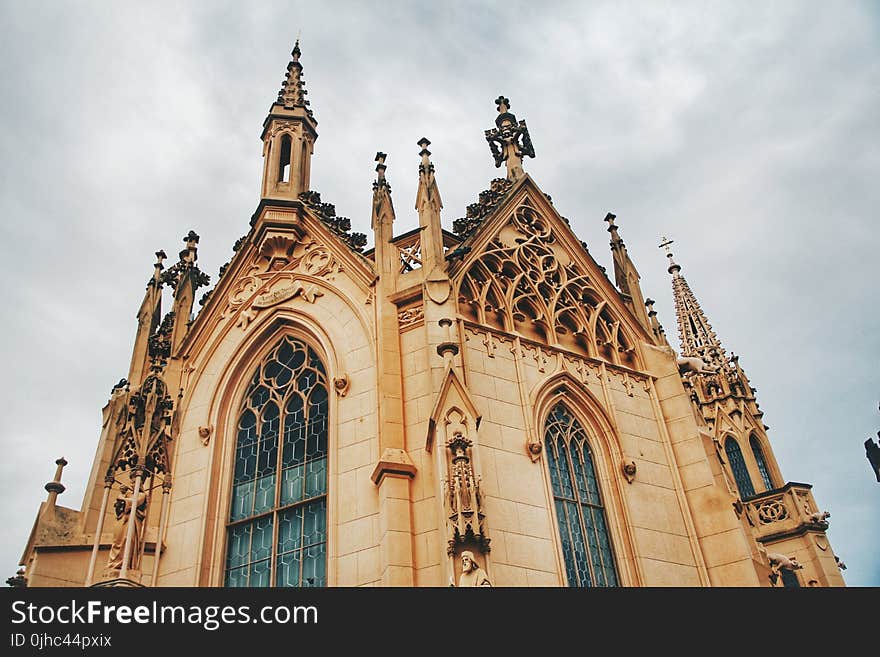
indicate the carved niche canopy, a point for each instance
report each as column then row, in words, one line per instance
column 526, row 282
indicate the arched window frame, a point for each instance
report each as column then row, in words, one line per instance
column 738, row 468
column 245, row 373
column 606, row 451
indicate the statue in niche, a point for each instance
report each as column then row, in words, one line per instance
column 471, row 573
column 123, row 508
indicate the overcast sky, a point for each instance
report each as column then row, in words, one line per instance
column 746, row 131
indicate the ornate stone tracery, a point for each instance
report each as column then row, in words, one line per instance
column 526, row 282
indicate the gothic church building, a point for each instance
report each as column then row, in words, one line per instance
column 477, row 407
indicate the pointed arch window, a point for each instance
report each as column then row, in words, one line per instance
column 583, row 528
column 284, row 159
column 277, row 525
column 738, row 465
column 761, row 461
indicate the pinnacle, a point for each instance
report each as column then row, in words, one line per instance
column 293, row 92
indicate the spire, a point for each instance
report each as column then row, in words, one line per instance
column 509, row 141
column 695, row 333
column 293, row 91
column 289, row 134
column 387, row 257
column 626, row 276
column 148, row 320
column 428, row 204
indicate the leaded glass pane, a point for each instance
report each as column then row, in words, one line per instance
column 583, row 530
column 280, row 473
column 762, row 463
column 738, row 465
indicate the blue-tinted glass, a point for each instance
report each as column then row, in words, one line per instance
column 260, row 573
column 553, row 464
column 316, row 477
column 290, row 529
column 738, row 465
column 565, row 472
column 292, row 378
column 292, row 484
column 288, row 569
column 789, row 578
column 605, row 548
column 313, row 566
column 579, row 545
column 762, row 464
column 583, row 530
column 565, row 536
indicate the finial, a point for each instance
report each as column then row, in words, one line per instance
column 380, row 168
column 426, row 165
column 665, row 244
column 55, row 487
column 509, row 141
column 160, row 256
column 296, row 52
column 610, row 217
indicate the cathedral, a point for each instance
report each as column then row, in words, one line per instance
column 484, row 406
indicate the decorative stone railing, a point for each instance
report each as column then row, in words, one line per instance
column 787, row 510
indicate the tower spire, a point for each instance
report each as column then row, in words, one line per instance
column 293, row 91
column 694, row 331
column 289, row 134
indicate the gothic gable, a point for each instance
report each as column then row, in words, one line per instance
column 291, row 253
column 528, row 274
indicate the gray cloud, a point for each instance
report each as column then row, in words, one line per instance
column 748, row 133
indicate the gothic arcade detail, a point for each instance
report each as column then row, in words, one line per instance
column 526, row 282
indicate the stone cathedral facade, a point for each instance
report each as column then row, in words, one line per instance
column 477, row 407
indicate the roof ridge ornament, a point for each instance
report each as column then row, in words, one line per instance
column 509, row 141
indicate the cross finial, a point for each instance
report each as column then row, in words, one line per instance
column 674, row 268
column 296, row 51
column 503, row 104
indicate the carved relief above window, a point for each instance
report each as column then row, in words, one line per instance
column 526, row 282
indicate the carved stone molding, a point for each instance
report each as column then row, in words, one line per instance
column 341, row 385
column 409, row 317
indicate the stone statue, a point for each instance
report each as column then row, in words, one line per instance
column 123, row 508
column 471, row 573
column 693, row 365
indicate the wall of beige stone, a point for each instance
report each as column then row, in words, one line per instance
column 196, row 528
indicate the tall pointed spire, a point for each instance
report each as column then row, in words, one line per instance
column 694, row 331
column 289, row 134
column 626, row 276
column 428, row 204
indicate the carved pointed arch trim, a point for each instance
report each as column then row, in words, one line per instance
column 450, row 382
column 526, row 280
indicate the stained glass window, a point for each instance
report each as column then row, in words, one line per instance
column 738, row 465
column 583, row 530
column 277, row 528
column 761, row 461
